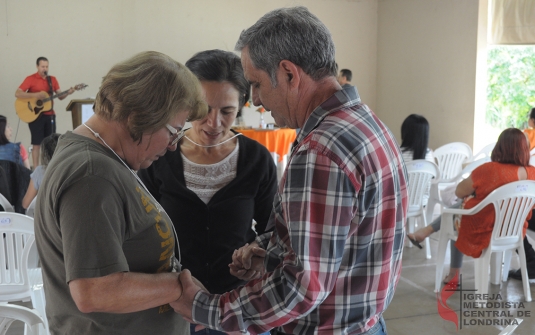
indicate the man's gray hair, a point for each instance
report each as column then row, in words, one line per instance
column 293, row 34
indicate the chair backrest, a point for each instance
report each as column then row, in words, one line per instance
column 512, row 204
column 10, row 313
column 485, row 152
column 420, row 173
column 451, row 157
column 467, row 170
column 8, row 207
column 16, row 247
column 30, row 211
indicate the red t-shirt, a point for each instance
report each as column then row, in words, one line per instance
column 23, row 153
column 35, row 83
column 476, row 230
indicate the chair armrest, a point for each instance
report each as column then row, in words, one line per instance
column 470, row 211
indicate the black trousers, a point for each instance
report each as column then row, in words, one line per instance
column 528, row 248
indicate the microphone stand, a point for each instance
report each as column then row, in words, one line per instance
column 51, row 94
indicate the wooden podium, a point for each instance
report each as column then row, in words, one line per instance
column 78, row 109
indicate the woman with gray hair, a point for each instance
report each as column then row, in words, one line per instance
column 105, row 244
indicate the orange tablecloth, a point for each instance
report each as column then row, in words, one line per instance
column 275, row 140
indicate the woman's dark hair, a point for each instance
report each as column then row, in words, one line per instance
column 48, row 146
column 415, row 135
column 532, row 113
column 512, row 148
column 218, row 65
column 3, row 125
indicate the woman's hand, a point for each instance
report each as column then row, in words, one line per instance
column 190, row 286
column 465, row 188
column 248, row 262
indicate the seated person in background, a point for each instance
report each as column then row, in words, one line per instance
column 47, row 150
column 530, row 132
column 217, row 182
column 530, row 254
column 415, row 138
column 14, row 152
column 528, row 248
column 509, row 163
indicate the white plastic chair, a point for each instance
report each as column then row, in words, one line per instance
column 485, row 152
column 20, row 278
column 8, row 207
column 30, row 211
column 512, row 203
column 420, row 173
column 450, row 159
column 10, row 313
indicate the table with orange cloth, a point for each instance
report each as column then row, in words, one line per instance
column 275, row 140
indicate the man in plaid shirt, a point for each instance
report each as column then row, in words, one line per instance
column 333, row 261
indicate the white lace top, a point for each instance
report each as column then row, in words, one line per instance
column 206, row 179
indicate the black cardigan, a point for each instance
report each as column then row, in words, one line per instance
column 209, row 233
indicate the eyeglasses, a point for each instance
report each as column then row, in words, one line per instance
column 176, row 134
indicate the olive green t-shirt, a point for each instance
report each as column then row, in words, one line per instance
column 92, row 219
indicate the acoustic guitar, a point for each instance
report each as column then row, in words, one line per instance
column 29, row 110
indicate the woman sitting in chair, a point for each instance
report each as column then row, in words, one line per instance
column 530, row 132
column 47, row 150
column 14, row 152
column 528, row 248
column 509, row 163
column 414, row 139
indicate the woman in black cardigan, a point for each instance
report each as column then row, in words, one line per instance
column 218, row 182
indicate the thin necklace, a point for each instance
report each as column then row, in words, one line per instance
column 213, row 145
column 97, row 135
column 158, row 206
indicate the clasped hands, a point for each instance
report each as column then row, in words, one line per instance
column 247, row 263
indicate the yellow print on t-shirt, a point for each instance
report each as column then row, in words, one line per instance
column 164, row 231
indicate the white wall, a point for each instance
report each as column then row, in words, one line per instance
column 83, row 39
column 427, row 65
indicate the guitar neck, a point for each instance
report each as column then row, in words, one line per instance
column 55, row 96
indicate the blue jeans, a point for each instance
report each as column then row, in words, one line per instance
column 208, row 331
column 378, row 329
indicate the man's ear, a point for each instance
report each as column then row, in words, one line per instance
column 291, row 73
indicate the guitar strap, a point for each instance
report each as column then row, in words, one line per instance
column 51, row 93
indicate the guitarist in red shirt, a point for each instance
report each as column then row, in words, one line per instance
column 40, row 86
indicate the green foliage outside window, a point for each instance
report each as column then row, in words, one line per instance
column 511, row 90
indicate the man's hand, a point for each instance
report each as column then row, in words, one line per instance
column 248, row 262
column 190, row 287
